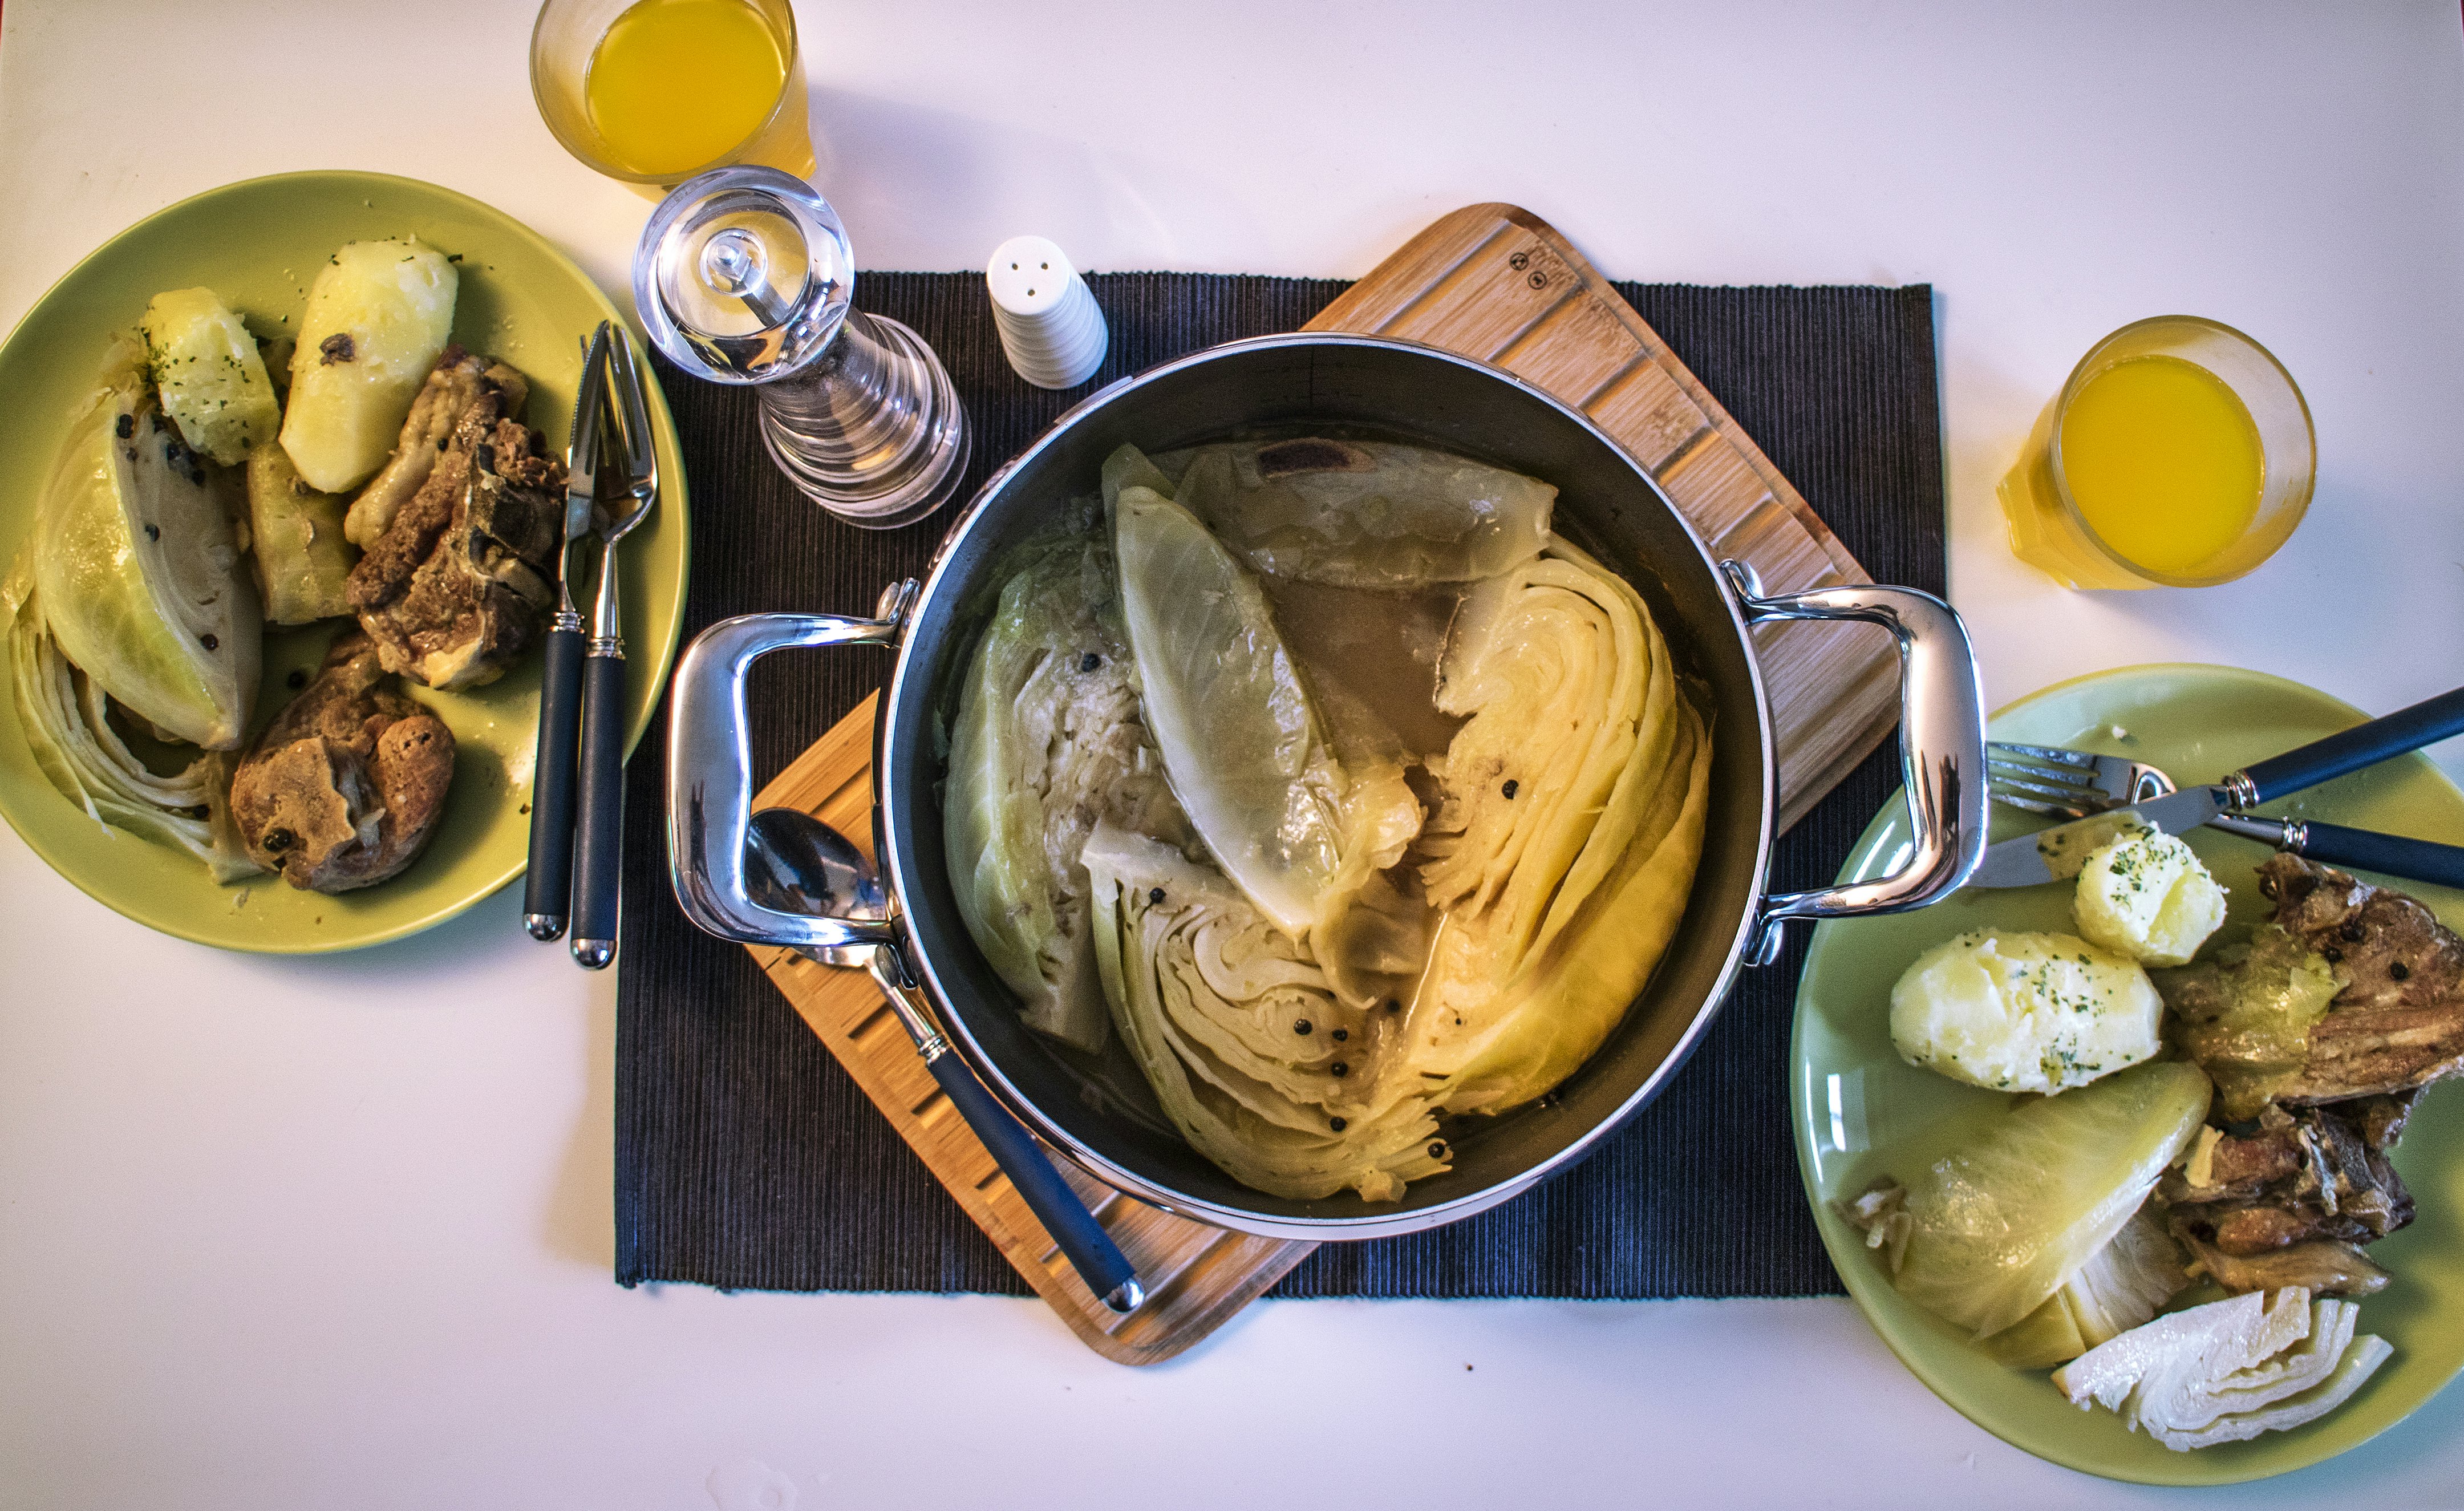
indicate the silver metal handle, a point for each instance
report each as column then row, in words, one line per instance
column 1942, row 750
column 710, row 773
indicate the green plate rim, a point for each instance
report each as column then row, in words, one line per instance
column 674, row 499
column 1849, row 1259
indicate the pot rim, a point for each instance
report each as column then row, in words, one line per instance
column 892, row 842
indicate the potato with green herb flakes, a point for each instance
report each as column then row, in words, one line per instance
column 2145, row 894
column 210, row 377
column 378, row 315
column 2024, row 1012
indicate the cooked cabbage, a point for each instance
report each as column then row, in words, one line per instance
column 1047, row 740
column 1246, row 752
column 138, row 573
column 1363, row 514
column 2247, row 1020
column 65, row 719
column 2004, row 1222
column 1248, row 1047
column 2229, row 1370
column 1568, row 829
column 2113, row 1292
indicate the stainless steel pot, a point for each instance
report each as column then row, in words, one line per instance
column 1100, row 1111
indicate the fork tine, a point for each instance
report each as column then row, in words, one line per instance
column 2080, row 760
column 2084, row 783
column 2080, row 797
column 2051, row 810
column 640, row 456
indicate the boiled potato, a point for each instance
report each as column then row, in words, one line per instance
column 2024, row 1012
column 211, row 379
column 303, row 561
column 2147, row 895
column 378, row 314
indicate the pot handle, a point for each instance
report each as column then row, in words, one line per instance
column 1942, row 750
column 710, row 773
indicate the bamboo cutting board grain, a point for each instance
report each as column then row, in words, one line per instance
column 1489, row 281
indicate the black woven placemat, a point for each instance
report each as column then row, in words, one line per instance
column 746, row 1158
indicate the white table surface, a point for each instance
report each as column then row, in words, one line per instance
column 290, row 1233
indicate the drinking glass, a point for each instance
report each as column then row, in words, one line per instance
column 566, row 41
column 2050, row 532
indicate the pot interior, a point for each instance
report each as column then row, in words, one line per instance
column 1101, row 1107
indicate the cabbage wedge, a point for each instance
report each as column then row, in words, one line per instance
column 66, row 722
column 1247, row 755
column 1047, row 740
column 1235, row 1030
column 2006, row 1221
column 1363, row 514
column 1569, row 828
column 139, row 573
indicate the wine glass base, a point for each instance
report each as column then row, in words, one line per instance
column 914, row 472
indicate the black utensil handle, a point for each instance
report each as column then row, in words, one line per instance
column 2389, row 854
column 548, row 887
column 2362, row 745
column 1091, row 1251
column 599, row 845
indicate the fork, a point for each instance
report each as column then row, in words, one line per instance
column 598, row 849
column 2064, row 784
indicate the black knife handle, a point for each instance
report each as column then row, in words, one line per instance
column 598, row 847
column 2387, row 854
column 1098, row 1260
column 2351, row 750
column 548, row 887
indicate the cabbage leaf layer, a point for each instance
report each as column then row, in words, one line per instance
column 1047, row 741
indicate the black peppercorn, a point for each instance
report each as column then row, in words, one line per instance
column 277, row 840
column 210, row 642
column 298, row 679
column 1301, row 1026
column 126, row 428
column 2397, row 971
column 1437, row 1148
column 2350, row 930
column 1090, row 662
column 153, row 531
column 1340, row 1035
column 1510, row 789
column 1392, row 1005
column 1155, row 896
column 1336, row 1124
column 1340, row 1070
column 2332, row 954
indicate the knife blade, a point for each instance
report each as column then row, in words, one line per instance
column 2056, row 854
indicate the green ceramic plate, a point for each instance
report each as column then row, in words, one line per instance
column 258, row 244
column 1859, row 1112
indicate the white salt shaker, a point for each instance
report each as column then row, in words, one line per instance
column 1051, row 328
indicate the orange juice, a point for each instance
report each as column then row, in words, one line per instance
column 677, row 84
column 2163, row 462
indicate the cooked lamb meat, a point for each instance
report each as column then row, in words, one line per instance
column 2399, row 1020
column 454, row 585
column 451, row 389
column 2297, row 1177
column 344, row 787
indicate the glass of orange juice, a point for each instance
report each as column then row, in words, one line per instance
column 2179, row 455
column 656, row 91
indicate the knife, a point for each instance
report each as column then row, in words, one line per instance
column 547, row 889
column 2054, row 854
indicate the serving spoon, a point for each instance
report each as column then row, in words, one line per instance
column 796, row 863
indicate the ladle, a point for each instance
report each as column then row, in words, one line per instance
column 796, row 863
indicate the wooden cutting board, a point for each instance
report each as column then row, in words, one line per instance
column 1494, row 282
